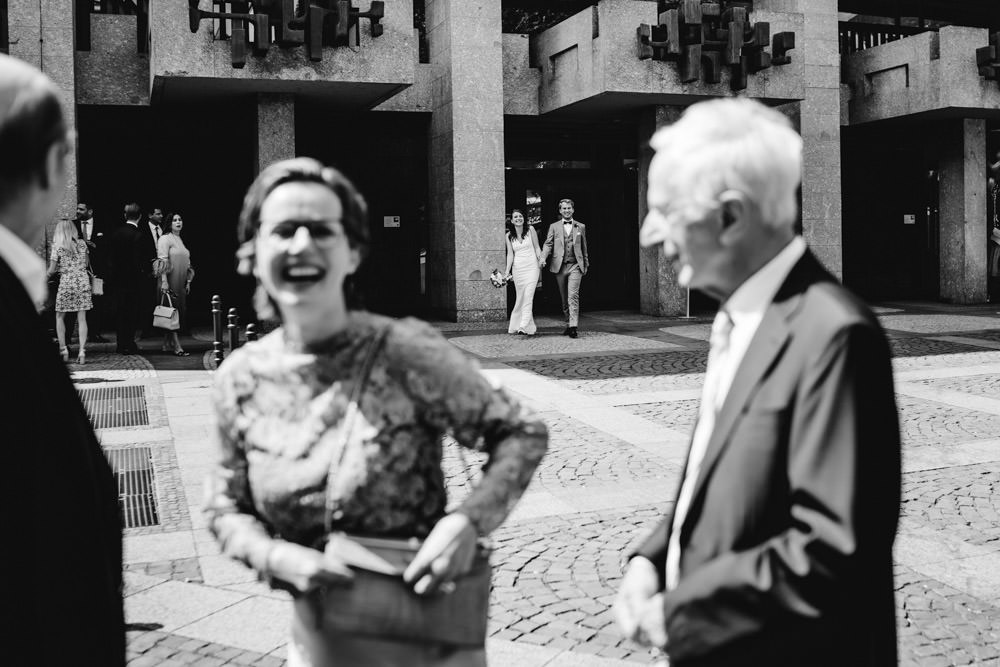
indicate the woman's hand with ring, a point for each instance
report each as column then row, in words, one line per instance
column 447, row 553
column 305, row 569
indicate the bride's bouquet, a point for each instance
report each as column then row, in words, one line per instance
column 497, row 278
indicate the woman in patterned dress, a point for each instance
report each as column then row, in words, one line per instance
column 70, row 260
column 280, row 403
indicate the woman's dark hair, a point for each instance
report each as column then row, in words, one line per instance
column 354, row 219
column 167, row 222
column 512, row 230
column 29, row 127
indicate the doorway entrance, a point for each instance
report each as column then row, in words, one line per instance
column 601, row 203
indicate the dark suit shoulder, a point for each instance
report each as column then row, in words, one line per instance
column 830, row 304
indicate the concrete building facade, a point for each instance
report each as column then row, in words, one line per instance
column 447, row 118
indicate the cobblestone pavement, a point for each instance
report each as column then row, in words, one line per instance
column 614, row 411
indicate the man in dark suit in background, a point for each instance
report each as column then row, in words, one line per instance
column 62, row 553
column 94, row 236
column 131, row 270
column 566, row 242
column 152, row 231
column 778, row 551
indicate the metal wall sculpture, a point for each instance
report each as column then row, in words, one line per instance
column 703, row 36
column 988, row 59
column 287, row 23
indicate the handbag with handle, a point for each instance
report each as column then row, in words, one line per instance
column 166, row 317
column 379, row 603
column 96, row 284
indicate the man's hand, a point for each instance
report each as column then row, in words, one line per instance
column 447, row 553
column 637, row 603
column 306, row 569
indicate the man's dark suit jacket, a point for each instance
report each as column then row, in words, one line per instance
column 131, row 265
column 99, row 253
column 62, row 552
column 786, row 550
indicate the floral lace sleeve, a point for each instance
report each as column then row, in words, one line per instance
column 454, row 397
column 228, row 501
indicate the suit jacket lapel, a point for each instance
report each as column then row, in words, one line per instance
column 765, row 349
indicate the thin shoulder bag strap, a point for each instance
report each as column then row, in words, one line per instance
column 347, row 423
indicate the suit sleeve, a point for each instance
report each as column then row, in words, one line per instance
column 843, row 476
column 549, row 240
column 583, row 247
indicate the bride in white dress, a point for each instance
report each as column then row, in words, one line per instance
column 523, row 257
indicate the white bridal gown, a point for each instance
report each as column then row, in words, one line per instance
column 525, row 271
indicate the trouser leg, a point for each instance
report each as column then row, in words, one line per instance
column 561, row 283
column 573, row 288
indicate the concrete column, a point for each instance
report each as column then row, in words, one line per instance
column 275, row 128
column 659, row 293
column 42, row 34
column 962, row 204
column 820, row 128
column 466, row 158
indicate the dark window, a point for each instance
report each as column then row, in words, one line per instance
column 4, row 37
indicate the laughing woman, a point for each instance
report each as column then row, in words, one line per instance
column 292, row 471
column 523, row 257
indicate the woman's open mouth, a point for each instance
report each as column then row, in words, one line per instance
column 302, row 274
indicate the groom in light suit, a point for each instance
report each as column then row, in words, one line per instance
column 778, row 549
column 567, row 243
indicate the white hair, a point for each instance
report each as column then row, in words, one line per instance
column 729, row 144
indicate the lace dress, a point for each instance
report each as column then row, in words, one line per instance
column 73, row 294
column 278, row 410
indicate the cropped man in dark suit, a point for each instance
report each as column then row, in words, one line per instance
column 152, row 231
column 566, row 243
column 62, row 553
column 131, row 270
column 778, row 550
column 93, row 234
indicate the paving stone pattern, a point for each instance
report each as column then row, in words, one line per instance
column 151, row 648
column 923, row 347
column 977, row 385
column 939, row 626
column 924, row 422
column 679, row 415
column 964, row 501
column 615, row 374
column 556, row 579
column 578, row 455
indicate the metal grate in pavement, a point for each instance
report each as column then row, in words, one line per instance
column 133, row 470
column 116, row 407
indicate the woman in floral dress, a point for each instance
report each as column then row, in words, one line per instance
column 281, row 404
column 70, row 260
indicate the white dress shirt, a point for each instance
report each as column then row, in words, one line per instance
column 26, row 265
column 155, row 230
column 87, row 228
column 745, row 308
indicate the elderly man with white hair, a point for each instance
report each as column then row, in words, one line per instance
column 778, row 549
column 62, row 553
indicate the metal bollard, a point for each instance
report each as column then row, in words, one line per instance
column 217, row 330
column 251, row 332
column 234, row 330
